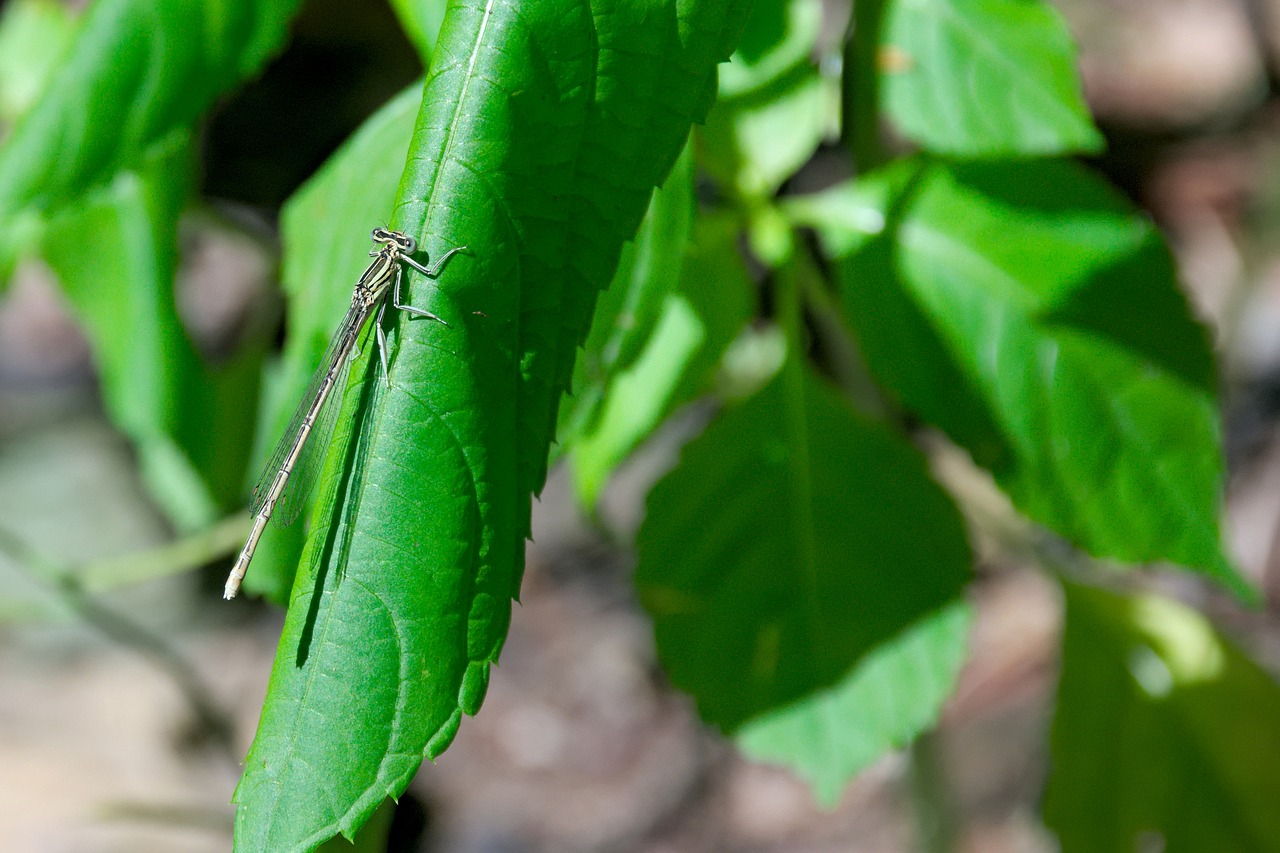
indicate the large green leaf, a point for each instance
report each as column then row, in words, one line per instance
column 1165, row 735
column 983, row 78
column 544, row 130
column 324, row 228
column 998, row 301
column 137, row 71
column 888, row 698
column 792, row 539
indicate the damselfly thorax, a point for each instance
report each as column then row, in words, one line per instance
column 282, row 489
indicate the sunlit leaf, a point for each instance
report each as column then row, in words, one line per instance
column 774, row 107
column 998, row 301
column 33, row 35
column 983, row 78
column 698, row 322
column 137, row 72
column 115, row 255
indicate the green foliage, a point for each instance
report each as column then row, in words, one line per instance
column 94, row 176
column 425, row 504
column 804, row 571
column 993, row 300
column 817, row 513
column 1164, row 732
column 33, row 35
column 889, row 697
column 983, row 78
column 137, row 72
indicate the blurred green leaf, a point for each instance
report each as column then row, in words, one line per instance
column 33, row 36
column 777, row 42
column 1164, row 736
column 792, row 539
column 983, row 78
column 698, row 323
column 324, row 228
column 115, row 255
column 542, row 169
column 421, row 20
column 997, row 300
column 676, row 304
column 137, row 72
column 629, row 309
column 774, row 107
column 893, row 694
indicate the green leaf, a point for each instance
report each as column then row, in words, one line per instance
column 774, row 107
column 983, row 78
column 421, row 20
column 33, row 35
column 629, row 309
column 792, row 540
column 696, row 324
column 997, row 300
column 322, row 226
column 1164, row 735
column 137, row 72
column 115, row 255
column 544, row 129
column 886, row 700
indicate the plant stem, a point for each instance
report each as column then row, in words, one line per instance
column 843, row 356
column 861, row 89
column 66, row 583
column 931, row 802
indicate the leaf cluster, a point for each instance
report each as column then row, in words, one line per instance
column 958, row 282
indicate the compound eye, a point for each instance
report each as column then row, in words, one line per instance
column 410, row 245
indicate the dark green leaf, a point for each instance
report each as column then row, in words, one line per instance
column 983, row 78
column 998, row 301
column 544, row 129
column 1164, row 735
column 889, row 697
column 792, row 539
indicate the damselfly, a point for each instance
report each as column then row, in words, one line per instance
column 296, row 458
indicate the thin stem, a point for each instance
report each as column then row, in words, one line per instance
column 861, row 89
column 172, row 558
column 935, row 818
column 790, row 316
column 843, row 356
column 64, row 581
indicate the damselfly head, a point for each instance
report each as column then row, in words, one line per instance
column 402, row 242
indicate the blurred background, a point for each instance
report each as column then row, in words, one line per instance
column 124, row 715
